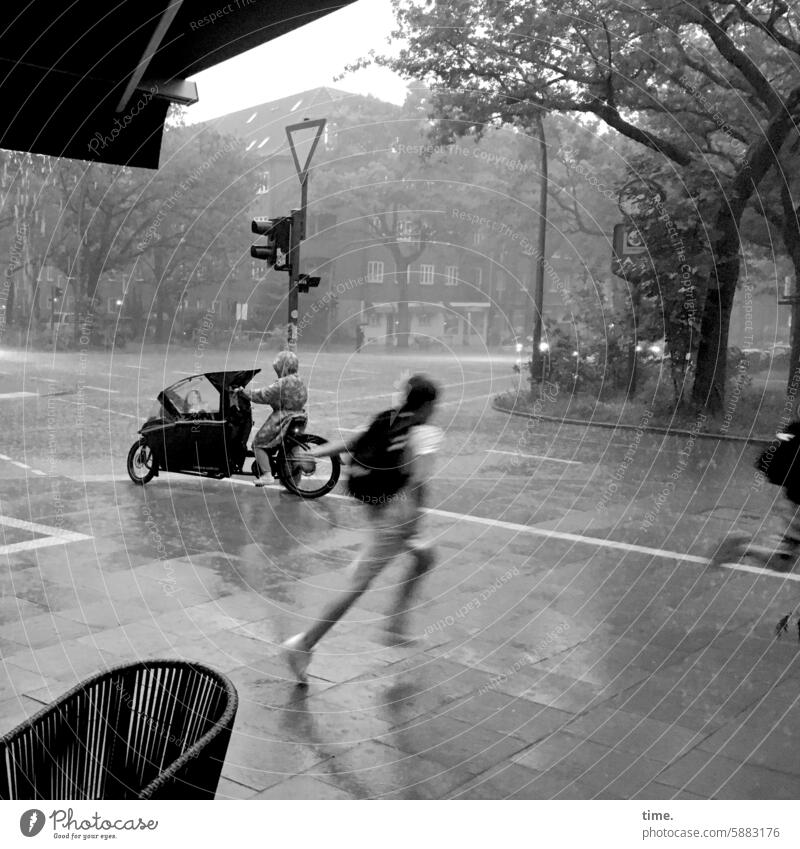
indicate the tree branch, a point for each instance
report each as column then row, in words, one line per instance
column 740, row 60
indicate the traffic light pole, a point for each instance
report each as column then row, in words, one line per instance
column 298, row 228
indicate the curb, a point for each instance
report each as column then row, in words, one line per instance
column 720, row 437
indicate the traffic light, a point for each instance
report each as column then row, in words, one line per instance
column 279, row 235
column 304, row 283
column 57, row 293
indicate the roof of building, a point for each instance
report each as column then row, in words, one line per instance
column 93, row 80
column 263, row 126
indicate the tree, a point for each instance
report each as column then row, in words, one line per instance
column 710, row 86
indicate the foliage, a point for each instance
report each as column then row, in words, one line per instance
column 709, row 87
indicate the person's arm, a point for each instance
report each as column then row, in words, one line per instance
column 331, row 448
column 268, row 395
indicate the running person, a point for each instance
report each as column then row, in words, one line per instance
column 393, row 519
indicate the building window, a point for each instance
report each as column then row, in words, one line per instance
column 424, row 320
column 451, row 275
column 405, row 230
column 50, row 276
column 426, row 273
column 478, row 278
column 374, row 319
column 374, row 271
column 263, row 186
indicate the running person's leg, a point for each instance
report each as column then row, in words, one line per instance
column 397, row 624
column 387, row 535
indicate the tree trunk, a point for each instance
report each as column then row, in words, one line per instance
column 791, row 239
column 537, row 356
column 708, row 391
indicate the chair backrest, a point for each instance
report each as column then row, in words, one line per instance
column 156, row 729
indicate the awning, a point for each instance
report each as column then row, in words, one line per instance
column 89, row 80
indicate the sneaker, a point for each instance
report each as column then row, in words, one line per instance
column 297, row 658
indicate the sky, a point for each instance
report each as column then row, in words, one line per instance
column 316, row 54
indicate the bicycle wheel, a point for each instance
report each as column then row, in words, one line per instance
column 141, row 463
column 308, row 477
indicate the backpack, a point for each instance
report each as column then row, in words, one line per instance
column 379, row 468
column 779, row 461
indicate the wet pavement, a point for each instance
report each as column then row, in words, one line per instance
column 573, row 640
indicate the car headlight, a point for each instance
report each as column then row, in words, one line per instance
column 518, row 346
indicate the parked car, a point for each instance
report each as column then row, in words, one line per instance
column 757, row 358
column 779, row 353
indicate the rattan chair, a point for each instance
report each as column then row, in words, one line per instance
column 152, row 730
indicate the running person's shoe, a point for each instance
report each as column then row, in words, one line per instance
column 730, row 550
column 297, row 658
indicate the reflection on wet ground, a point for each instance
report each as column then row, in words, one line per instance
column 574, row 642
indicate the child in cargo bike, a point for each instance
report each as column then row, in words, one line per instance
column 287, row 396
column 779, row 463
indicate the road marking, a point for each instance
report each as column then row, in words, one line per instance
column 103, row 389
column 51, row 536
column 467, row 400
column 397, row 391
column 534, row 456
column 104, row 409
column 7, row 396
column 597, row 542
column 137, row 367
column 22, row 465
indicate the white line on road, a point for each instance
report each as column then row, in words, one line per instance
column 22, row 465
column 7, row 396
column 598, row 542
column 50, row 536
column 103, row 389
column 534, row 456
column 103, row 409
column 137, row 367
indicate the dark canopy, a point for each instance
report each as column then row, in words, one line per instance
column 90, row 80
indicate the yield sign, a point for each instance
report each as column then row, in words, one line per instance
column 303, row 127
